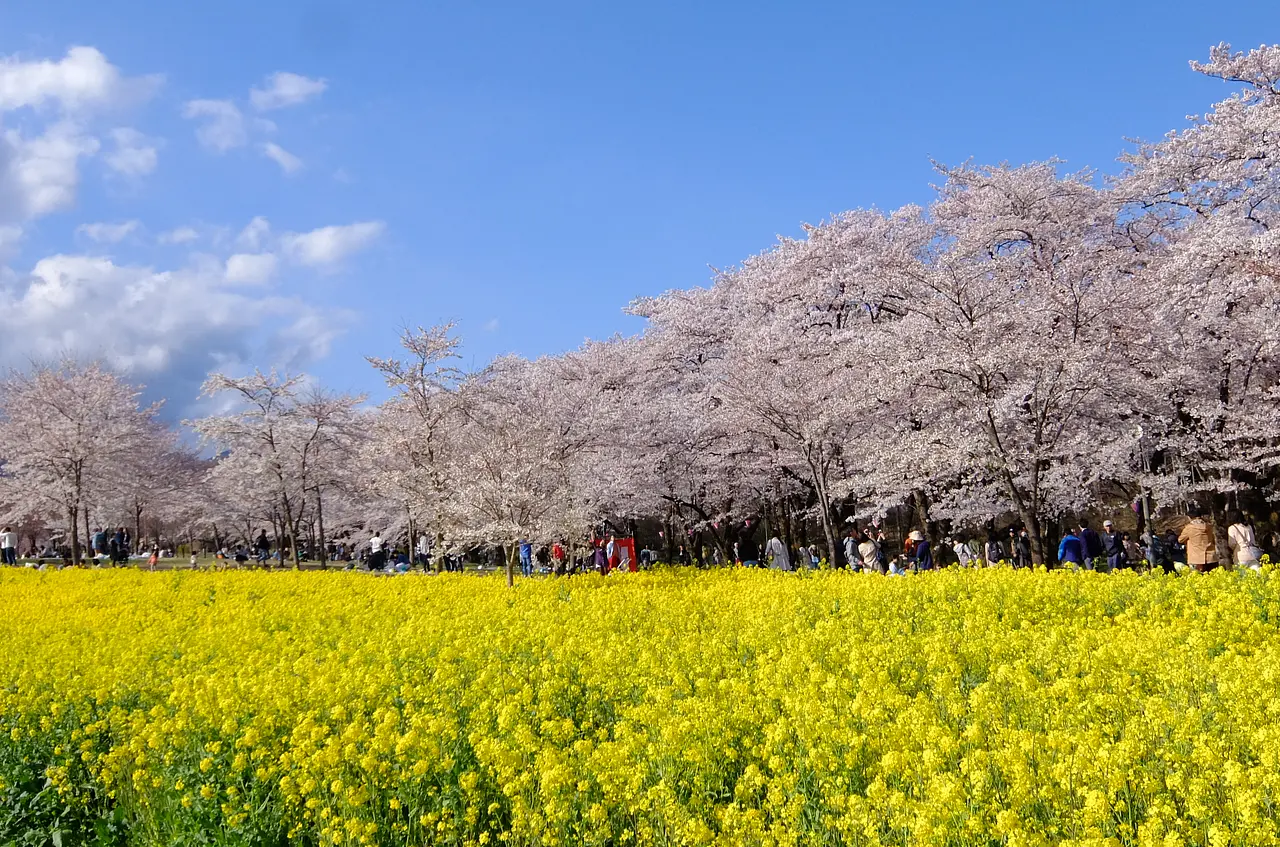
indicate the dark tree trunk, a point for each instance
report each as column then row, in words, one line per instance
column 74, row 516
column 322, row 552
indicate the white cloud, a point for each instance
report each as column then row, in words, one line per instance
column 327, row 246
column 82, row 78
column 134, row 153
column 251, row 268
column 105, row 233
column 253, row 236
column 40, row 153
column 288, row 162
column 181, row 235
column 491, row 325
column 285, row 89
column 188, row 321
column 42, row 172
column 222, row 127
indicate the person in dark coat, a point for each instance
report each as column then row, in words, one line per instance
column 1113, row 547
column 1091, row 543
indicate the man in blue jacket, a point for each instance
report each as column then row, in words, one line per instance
column 1071, row 549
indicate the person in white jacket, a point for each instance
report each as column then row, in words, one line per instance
column 869, row 552
column 776, row 552
column 1243, row 543
column 9, row 546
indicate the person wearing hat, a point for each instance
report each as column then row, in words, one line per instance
column 1113, row 546
column 923, row 555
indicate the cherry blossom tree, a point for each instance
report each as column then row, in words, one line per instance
column 1212, row 193
column 408, row 435
column 67, row 430
column 286, row 441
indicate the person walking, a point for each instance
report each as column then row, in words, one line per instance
column 121, row 544
column 776, row 553
column 1132, row 550
column 1243, row 543
column 9, row 546
column 1092, row 544
column 921, row 551
column 961, row 550
column 1113, row 547
column 748, row 551
column 1071, row 549
column 993, row 550
column 526, row 556
column 263, row 546
column 1202, row 548
column 851, row 557
column 377, row 555
column 869, row 552
column 1020, row 548
column 1158, row 553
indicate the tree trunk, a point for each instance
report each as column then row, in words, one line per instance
column 1217, row 515
column 323, row 553
column 88, row 538
column 920, row 501
column 1030, row 520
column 292, row 529
column 413, row 539
column 824, row 505
column 669, row 535
column 788, row 527
column 277, row 529
column 137, row 524
column 511, row 565
column 74, row 515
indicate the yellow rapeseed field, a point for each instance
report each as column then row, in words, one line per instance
column 727, row 708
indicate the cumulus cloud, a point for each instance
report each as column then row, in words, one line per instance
column 175, row 325
column 222, row 126
column 134, row 153
column 83, row 79
column 105, row 233
column 40, row 153
column 39, row 175
column 327, row 246
column 288, row 162
column 253, row 236
column 285, row 89
column 181, row 235
column 251, row 268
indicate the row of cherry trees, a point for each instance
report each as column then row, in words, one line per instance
column 1032, row 343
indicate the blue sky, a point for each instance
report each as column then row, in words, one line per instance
column 525, row 169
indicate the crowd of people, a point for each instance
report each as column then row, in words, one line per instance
column 1195, row 545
